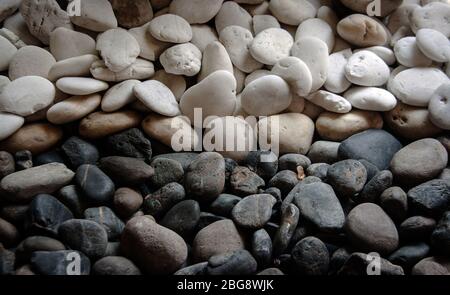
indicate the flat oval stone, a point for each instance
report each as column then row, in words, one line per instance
column 271, row 45
column 237, row 41
column 46, row 179
column 294, row 71
column 132, row 14
column 217, row 238
column 371, row 99
column 95, row 185
column 216, row 95
column 408, row 53
column 166, row 171
column 292, row 12
column 366, row 69
column 316, row 27
column 386, row 54
column 80, row 152
column 10, row 124
column 42, row 17
column 80, row 86
column 197, row 11
column 232, row 14
column 126, row 170
column 347, row 177
column 337, row 127
column 151, row 48
column 433, row 44
column 266, row 96
column 370, row 228
column 148, row 243
column 73, row 109
column 215, row 58
column 107, row 219
column 240, row 262
column 115, row 266
column 78, row 66
column 254, row 211
column 434, row 15
column 97, row 16
column 140, row 70
column 419, row 161
column 31, row 61
column 8, row 51
column 439, row 107
column 36, row 138
column 183, row 218
column 361, row 30
column 127, row 202
column 314, row 52
column 119, row 96
column 65, row 43
column 170, row 28
column 336, row 80
column 98, row 125
column 330, row 102
column 157, row 97
column 183, row 59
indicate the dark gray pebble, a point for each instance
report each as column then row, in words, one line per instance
column 115, row 266
column 417, row 228
column 288, row 224
column 319, row 170
column 183, row 218
column 440, row 238
column 262, row 247
column 240, row 262
column 224, row 204
column 265, row 164
column 71, row 197
column 311, row 257
column 79, row 152
column 347, row 177
column 430, row 199
column 408, row 255
column 285, row 181
column 94, row 184
column 60, row 263
column 395, row 202
column 324, row 152
column 158, row 203
column 166, row 171
column 131, row 143
column 375, row 187
column 292, row 161
column 128, row 171
column 108, row 219
column 244, row 182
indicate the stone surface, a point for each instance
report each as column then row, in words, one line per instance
column 141, row 69
column 97, row 16
column 70, row 67
column 439, row 107
column 126, row 170
column 420, row 18
column 183, row 218
column 157, row 97
column 433, row 44
column 132, row 14
column 8, row 52
column 58, row 262
column 65, row 43
column 197, row 11
column 170, row 28
column 440, row 238
column 430, row 198
column 371, row 99
column 245, row 182
column 311, row 257
column 240, row 262
column 159, row 202
column 73, row 108
column 98, row 125
column 361, row 30
column 95, row 185
column 365, row 68
column 292, row 12
column 10, row 124
column 261, row 247
column 183, row 59
column 115, row 266
column 80, row 86
column 131, row 143
column 253, row 212
column 347, row 177
column 271, row 45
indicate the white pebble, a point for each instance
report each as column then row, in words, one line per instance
column 330, row 102
column 157, row 97
column 408, row 53
column 434, row 45
column 371, row 99
column 183, row 59
column 271, row 45
column 336, row 80
column 119, row 96
column 80, row 86
column 367, row 69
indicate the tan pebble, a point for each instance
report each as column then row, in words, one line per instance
column 400, row 17
column 73, row 109
column 80, row 86
column 140, row 70
column 258, row 9
column 297, row 105
column 132, row 13
column 31, row 61
column 65, row 43
column 72, row 67
column 311, row 110
column 98, row 125
column 361, row 30
column 202, row 35
column 119, row 96
column 292, row 12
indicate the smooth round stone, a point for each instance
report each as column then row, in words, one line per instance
column 94, row 184
column 253, row 212
column 157, row 97
column 375, row 187
column 182, row 218
column 27, row 95
column 429, row 266
column 132, row 14
column 347, row 177
column 370, row 228
column 224, row 204
column 197, row 11
column 56, row 263
column 294, row 71
column 336, row 80
column 205, row 176
column 266, row 96
column 119, row 96
column 217, row 238
column 118, row 48
column 362, row 30
column 36, row 138
column 98, row 125
column 159, row 202
column 238, row 41
column 42, row 17
column 127, row 202
column 439, row 107
column 115, row 266
column 263, row 163
column 386, row 54
column 232, row 14
column 324, row 152
column 285, row 181
column 255, row 76
column 440, row 238
column 131, row 143
column 215, row 95
column 202, row 35
column 408, row 53
column 434, row 16
column 164, row 129
column 80, row 152
column 419, row 161
column 371, row 99
column 292, row 12
column 293, row 161
column 10, row 124
column 46, row 214
column 337, row 127
column 126, row 170
column 295, row 132
column 86, row 236
column 262, row 247
column 366, row 69
column 151, row 48
column 65, row 43
column 140, row 70
column 81, row 86
column 78, row 66
column 73, row 109
column 330, row 102
column 97, row 16
column 170, row 28
column 411, row 122
column 311, row 257
column 166, row 171
column 215, row 58
column 146, row 243
column 316, row 27
column 8, row 51
column 9, row 235
column 45, row 179
column 395, row 203
column 416, row 228
column 177, row 84
column 430, row 198
column 433, row 44
column 107, row 219
column 183, row 59
column 314, row 52
column 271, row 45
column 240, row 262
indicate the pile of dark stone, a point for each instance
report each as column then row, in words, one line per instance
column 123, row 207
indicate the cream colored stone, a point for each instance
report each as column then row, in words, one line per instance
column 27, row 95
column 31, row 61
column 262, row 22
column 240, row 79
column 196, row 11
column 231, row 14
column 327, row 14
column 315, row 27
column 10, row 124
column 8, row 7
column 8, row 51
column 385, row 53
column 435, row 15
column 183, row 59
column 80, row 86
column 256, row 75
column 3, row 82
column 338, row 127
column 295, row 132
column 297, row 105
column 176, row 83
column 439, row 107
column 65, row 43
column 72, row 67
column 371, row 99
column 434, row 45
column 73, row 109
column 269, row 95
column 292, row 12
column 294, row 71
column 151, row 48
column 215, row 58
column 157, row 97
column 258, row 9
column 408, row 53
column 170, row 28
column 271, row 45
column 361, row 30
column 119, row 96
column 12, row 38
column 311, row 110
column 237, row 40
column 336, row 81
column 18, row 26
column 97, row 16
column 330, row 102
column 140, row 70
column 202, row 35
column 365, row 68
column 341, row 45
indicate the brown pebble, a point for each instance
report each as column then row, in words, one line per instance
column 100, row 124
column 127, row 201
column 9, row 235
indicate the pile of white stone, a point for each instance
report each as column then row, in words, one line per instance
column 295, row 60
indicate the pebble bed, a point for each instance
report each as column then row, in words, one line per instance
column 88, row 105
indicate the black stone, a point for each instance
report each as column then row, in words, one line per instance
column 127, row 171
column 375, row 187
column 311, row 257
column 193, row 270
column 230, row 165
column 166, row 171
column 48, row 157
column 275, row 192
column 319, row 170
column 240, row 262
column 265, row 164
column 60, row 263
column 94, row 184
column 285, row 181
column 408, row 255
column 185, row 159
column 36, row 243
column 324, row 152
column 183, row 218
column 79, row 152
column 395, row 202
column 15, row 214
column 358, row 265
column 338, row 259
column 290, row 197
column 440, row 238
column 292, row 161
column 244, row 182
column 224, row 204
column 430, row 199
column 371, row 169
column 24, row 160
column 115, row 266
column 158, row 203
column 262, row 247
column 288, row 224
column 7, row 261
column 131, row 143
column 108, row 219
column 71, row 197
column 207, row 219
column 347, row 177
column 417, row 228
